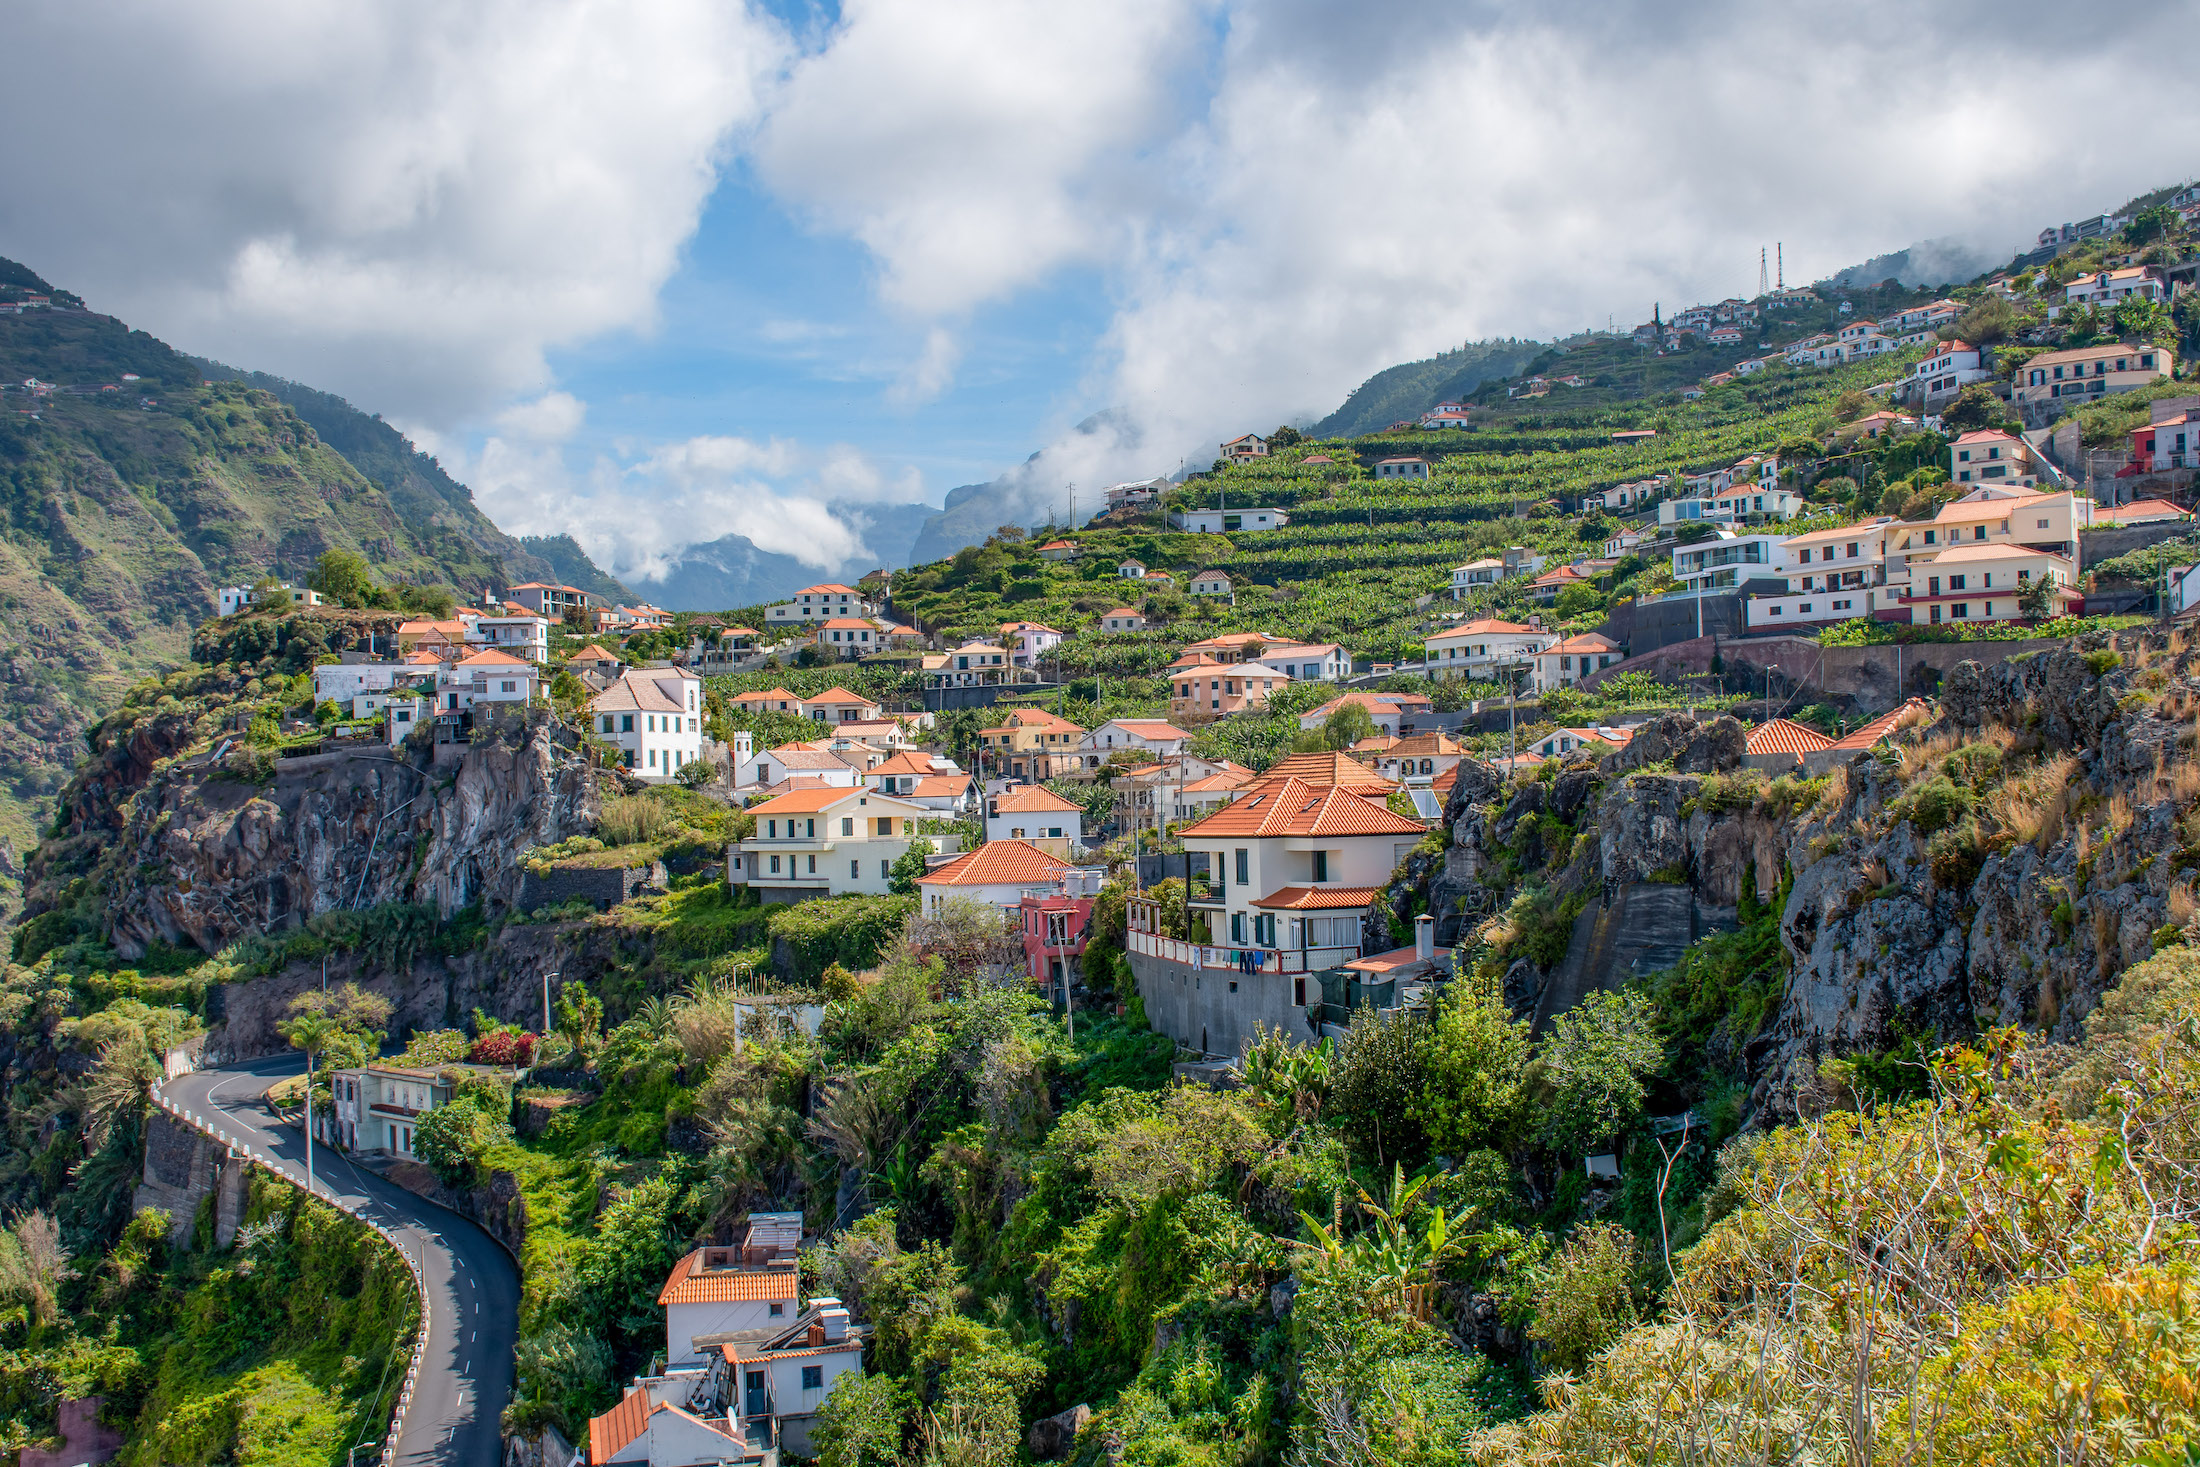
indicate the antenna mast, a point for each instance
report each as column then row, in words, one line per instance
column 1779, row 255
column 1762, row 276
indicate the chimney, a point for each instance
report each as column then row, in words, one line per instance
column 834, row 1321
column 1424, row 938
column 817, row 1333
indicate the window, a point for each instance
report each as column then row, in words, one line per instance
column 1298, row 992
column 1321, row 865
column 775, row 865
column 1978, row 532
column 778, row 1309
column 1963, row 609
column 813, row 828
column 813, row 1377
column 626, row 723
column 1244, row 868
column 847, row 825
column 1237, row 928
column 813, row 865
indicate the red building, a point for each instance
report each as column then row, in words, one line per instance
column 1056, row 925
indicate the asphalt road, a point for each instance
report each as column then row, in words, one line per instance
column 473, row 1285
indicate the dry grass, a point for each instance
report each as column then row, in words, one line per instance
column 2117, row 819
column 632, row 820
column 2107, row 952
column 2030, row 808
column 1915, row 759
column 2181, row 905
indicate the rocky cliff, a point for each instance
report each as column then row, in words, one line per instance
column 2001, row 863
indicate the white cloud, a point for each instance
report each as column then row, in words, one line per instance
column 550, row 418
column 964, row 144
column 634, row 513
column 931, row 373
column 408, row 203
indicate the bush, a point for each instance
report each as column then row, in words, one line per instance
column 632, row 820
column 1588, row 1298
column 1935, row 804
column 503, row 1048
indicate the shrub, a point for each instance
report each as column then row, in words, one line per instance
column 1935, row 804
column 502, row 1048
column 1587, row 1300
column 631, row 820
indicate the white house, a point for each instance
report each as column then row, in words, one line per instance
column 972, row 664
column 1030, row 641
column 824, row 842
column 809, row 763
column 731, row 1290
column 525, row 637
column 1287, row 856
column 838, row 705
column 1727, row 561
column 1035, row 813
column 1154, row 736
column 378, row 1107
column 1402, row 468
column 486, row 677
column 2106, row 287
column 1229, row 521
column 1942, row 373
column 340, row 682
column 1131, row 570
column 1122, row 619
column 1482, row 647
column 1563, row 664
column 902, row 772
column 820, row 603
column 654, row 717
column 1325, row 662
column 1752, row 496
column 1135, row 495
column 402, row 712
column 996, row 874
column 1240, row 450
column 1213, row 583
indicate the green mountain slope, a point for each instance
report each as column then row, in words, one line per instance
column 126, row 504
column 1410, row 389
column 421, row 491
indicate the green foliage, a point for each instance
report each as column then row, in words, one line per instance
column 1587, row 1298
column 1592, row 1067
column 1377, row 1083
column 1724, row 989
column 851, row 931
column 1474, row 1081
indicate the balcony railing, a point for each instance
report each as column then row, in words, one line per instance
column 1222, row 957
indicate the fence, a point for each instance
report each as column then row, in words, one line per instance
column 358, row 1213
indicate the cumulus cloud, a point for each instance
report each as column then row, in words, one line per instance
column 408, row 203
column 550, row 418
column 931, row 373
column 634, row 513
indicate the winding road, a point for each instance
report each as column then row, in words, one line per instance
column 472, row 1283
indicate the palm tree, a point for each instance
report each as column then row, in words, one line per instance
column 310, row 1030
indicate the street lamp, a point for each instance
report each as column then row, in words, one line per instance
column 351, row 1457
column 546, row 1001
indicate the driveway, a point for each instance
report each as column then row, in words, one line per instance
column 473, row 1285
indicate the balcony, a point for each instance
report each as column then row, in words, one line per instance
column 1224, row 958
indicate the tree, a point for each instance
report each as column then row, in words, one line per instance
column 2150, row 224
column 2037, row 600
column 1592, row 1067
column 579, row 1015
column 1851, row 405
column 1285, row 437
column 1348, row 725
column 1976, row 407
column 343, row 576
column 901, row 877
column 1587, row 1300
column 1474, row 1088
column 1376, row 1082
column 860, row 1422
column 2148, row 320
column 696, row 773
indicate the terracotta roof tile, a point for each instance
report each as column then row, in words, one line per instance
column 997, row 863
column 690, row 1285
column 618, row 1426
column 1292, row 807
column 1786, row 736
column 842, row 695
column 1316, row 898
column 1031, row 797
column 1327, row 769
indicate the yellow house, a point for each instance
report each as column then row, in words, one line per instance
column 1024, row 746
column 1985, row 582
column 1991, row 515
column 2091, row 371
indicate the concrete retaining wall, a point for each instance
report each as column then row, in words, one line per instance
column 2095, row 546
column 1874, row 679
column 603, row 886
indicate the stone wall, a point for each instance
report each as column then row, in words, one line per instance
column 602, row 886
column 2095, row 546
column 182, row 1169
column 1872, row 680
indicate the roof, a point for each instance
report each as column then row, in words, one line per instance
column 1985, row 435
column 1315, row 898
column 1031, row 797
column 803, row 756
column 831, row 588
column 1291, row 806
column 618, row 1426
column 494, row 658
column 1410, row 459
column 1149, row 728
column 2140, row 510
column 1586, row 642
column 937, row 785
column 842, row 695
column 1423, row 744
column 1785, row 736
column 1210, row 575
column 849, row 623
column 810, row 802
column 997, row 863
column 593, row 653
column 721, row 1286
column 1226, row 779
column 1880, row 727
column 1488, row 627
column 638, row 689
column 1120, row 611
column 908, row 761
column 2088, row 353
column 1957, row 555
column 1841, row 532
column 1058, row 545
column 769, row 695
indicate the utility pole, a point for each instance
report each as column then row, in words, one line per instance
column 546, row 1001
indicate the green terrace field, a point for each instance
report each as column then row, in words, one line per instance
column 1360, row 550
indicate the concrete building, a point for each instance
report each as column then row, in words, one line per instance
column 825, row 842
column 654, row 717
column 2055, row 381
column 1229, row 521
column 378, row 1107
column 1034, row 813
column 1483, row 648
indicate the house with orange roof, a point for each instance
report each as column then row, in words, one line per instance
column 519, row 632
column 1878, row 731
column 654, row 717
column 1122, row 619
column 825, row 842
column 447, row 636
column 549, row 599
column 1028, row 641
column 746, row 1365
column 1989, row 455
column 1037, row 814
column 592, row 655
column 1389, row 710
column 485, row 677
column 1285, row 878
column 1485, row 648
column 847, row 637
column 902, row 772
column 1418, row 759
column 2056, row 381
column 1058, row 550
column 2139, row 512
column 757, row 770
column 1206, row 689
column 1156, row 736
column 770, row 700
column 1779, row 745
column 819, row 603
column 996, row 874
column 1031, row 743
column 974, row 664
column 951, row 795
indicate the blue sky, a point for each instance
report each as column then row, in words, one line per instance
column 653, row 275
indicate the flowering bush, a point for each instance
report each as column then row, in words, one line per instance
column 503, row 1048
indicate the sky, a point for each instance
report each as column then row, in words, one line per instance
column 651, row 275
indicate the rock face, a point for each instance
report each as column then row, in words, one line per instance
column 1896, row 925
column 216, row 859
